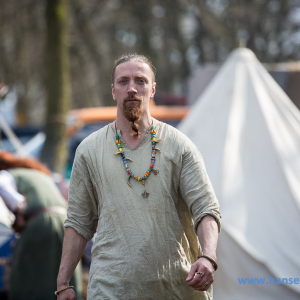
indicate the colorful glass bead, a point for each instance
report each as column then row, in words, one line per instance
column 153, row 153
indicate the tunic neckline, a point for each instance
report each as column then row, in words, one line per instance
column 146, row 137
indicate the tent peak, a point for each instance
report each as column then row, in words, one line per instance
column 243, row 54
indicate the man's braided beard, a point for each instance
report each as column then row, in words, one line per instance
column 132, row 112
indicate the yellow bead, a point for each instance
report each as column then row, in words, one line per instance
column 120, row 149
column 153, row 139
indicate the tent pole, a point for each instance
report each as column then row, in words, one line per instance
column 12, row 137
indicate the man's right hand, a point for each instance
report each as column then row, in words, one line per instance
column 67, row 295
column 73, row 248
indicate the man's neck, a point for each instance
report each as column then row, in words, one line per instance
column 125, row 126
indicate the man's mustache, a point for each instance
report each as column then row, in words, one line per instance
column 132, row 97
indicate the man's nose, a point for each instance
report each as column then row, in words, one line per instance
column 132, row 88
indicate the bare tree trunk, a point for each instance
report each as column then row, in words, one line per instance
column 22, row 73
column 54, row 152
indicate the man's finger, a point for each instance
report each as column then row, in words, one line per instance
column 192, row 272
column 203, row 286
column 196, row 281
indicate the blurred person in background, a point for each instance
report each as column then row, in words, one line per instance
column 146, row 245
column 29, row 191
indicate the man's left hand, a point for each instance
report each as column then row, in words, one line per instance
column 205, row 278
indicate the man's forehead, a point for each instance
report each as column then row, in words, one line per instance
column 135, row 68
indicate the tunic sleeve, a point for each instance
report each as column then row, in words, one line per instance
column 196, row 188
column 82, row 214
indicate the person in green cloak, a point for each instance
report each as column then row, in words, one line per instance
column 28, row 190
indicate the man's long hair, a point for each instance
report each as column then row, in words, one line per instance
column 9, row 161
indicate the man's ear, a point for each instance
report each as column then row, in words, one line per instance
column 153, row 90
column 113, row 92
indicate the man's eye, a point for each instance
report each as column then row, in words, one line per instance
column 141, row 81
column 123, row 81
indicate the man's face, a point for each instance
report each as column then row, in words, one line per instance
column 133, row 87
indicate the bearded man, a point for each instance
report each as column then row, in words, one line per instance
column 144, row 183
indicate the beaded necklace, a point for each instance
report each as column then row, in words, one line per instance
column 154, row 141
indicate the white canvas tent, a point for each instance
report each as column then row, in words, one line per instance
column 248, row 132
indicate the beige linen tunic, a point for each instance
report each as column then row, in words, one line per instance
column 144, row 246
